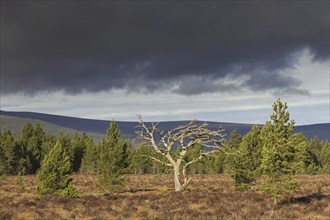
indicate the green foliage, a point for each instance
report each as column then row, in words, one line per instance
column 25, row 140
column 65, row 140
column 163, row 190
column 142, row 163
column 325, row 158
column 113, row 160
column 88, row 163
column 278, row 186
column 70, row 192
column 78, row 147
column 54, row 173
column 315, row 147
column 246, row 161
column 277, row 153
column 30, row 148
column 3, row 177
column 19, row 181
column 304, row 160
column 23, row 153
column 48, row 143
column 231, row 146
column 193, row 153
column 9, row 153
column 234, row 140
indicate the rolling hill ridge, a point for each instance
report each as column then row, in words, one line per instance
column 14, row 121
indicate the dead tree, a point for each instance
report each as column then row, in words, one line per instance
column 184, row 137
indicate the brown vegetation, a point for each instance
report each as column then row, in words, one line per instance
column 152, row 197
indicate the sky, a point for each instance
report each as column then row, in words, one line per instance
column 225, row 61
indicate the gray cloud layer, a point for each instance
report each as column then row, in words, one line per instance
column 99, row 45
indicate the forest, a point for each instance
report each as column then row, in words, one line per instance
column 268, row 164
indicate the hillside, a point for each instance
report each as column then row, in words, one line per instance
column 15, row 120
column 15, row 125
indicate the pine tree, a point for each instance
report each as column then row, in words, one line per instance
column 315, row 146
column 25, row 163
column 48, row 143
column 35, row 147
column 54, row 173
column 110, row 160
column 219, row 162
column 231, row 146
column 9, row 153
column 191, row 155
column 78, row 147
column 320, row 152
column 304, row 159
column 30, row 142
column 325, row 157
column 246, row 162
column 142, row 162
column 89, row 161
column 127, row 155
column 234, row 140
column 277, row 153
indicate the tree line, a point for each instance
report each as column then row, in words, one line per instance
column 269, row 152
column 22, row 153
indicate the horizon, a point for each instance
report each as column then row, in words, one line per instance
column 136, row 121
column 167, row 61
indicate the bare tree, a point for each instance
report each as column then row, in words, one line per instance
column 184, row 137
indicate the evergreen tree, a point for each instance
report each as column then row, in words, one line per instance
column 234, row 140
column 30, row 143
column 246, row 162
column 25, row 163
column 277, row 153
column 325, row 158
column 110, row 160
column 315, row 147
column 219, row 162
column 303, row 162
column 127, row 155
column 89, row 161
column 231, row 146
column 54, row 173
column 9, row 153
column 142, row 163
column 65, row 140
column 48, row 143
column 34, row 147
column 78, row 147
column 194, row 168
column 320, row 152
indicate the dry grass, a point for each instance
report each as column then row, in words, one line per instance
column 152, row 197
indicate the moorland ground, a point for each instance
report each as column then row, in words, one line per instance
column 153, row 197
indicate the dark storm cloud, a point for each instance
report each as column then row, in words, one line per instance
column 98, row 45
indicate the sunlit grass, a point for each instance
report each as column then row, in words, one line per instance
column 152, row 197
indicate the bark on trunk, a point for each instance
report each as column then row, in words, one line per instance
column 180, row 187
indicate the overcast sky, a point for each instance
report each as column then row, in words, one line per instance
column 218, row 61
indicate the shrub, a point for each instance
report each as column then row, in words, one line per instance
column 19, row 182
column 54, row 174
column 70, row 192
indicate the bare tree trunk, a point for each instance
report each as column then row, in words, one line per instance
column 186, row 137
column 179, row 187
column 177, row 184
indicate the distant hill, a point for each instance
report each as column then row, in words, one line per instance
column 15, row 125
column 11, row 120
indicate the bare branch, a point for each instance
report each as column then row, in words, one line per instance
column 184, row 136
